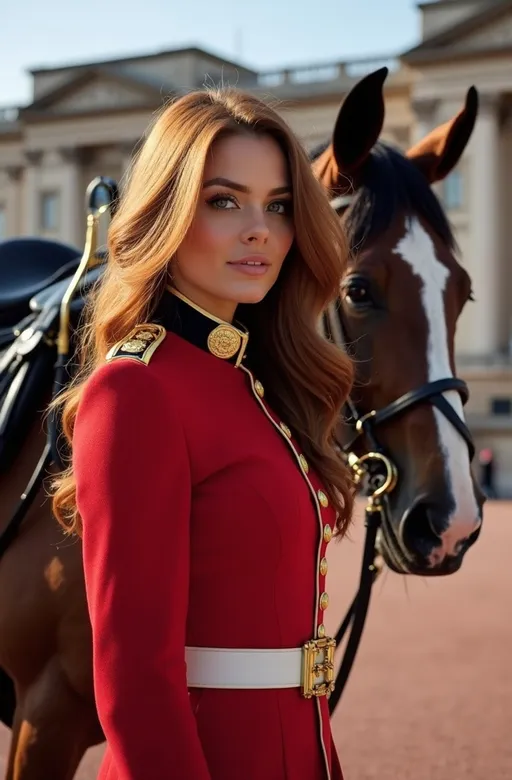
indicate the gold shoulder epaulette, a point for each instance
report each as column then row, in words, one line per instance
column 140, row 344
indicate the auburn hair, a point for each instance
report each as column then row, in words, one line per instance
column 308, row 378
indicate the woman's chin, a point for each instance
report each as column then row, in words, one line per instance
column 250, row 293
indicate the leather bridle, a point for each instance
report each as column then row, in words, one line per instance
column 381, row 474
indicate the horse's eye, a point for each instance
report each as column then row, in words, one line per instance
column 357, row 292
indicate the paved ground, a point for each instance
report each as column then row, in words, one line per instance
column 431, row 692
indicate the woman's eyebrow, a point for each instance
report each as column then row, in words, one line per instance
column 220, row 180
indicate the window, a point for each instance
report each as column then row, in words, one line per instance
column 501, row 406
column 50, row 208
column 3, row 222
column 453, row 194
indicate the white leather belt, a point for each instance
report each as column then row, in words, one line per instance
column 310, row 667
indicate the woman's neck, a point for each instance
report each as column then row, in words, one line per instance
column 210, row 304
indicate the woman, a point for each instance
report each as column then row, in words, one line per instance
column 204, row 478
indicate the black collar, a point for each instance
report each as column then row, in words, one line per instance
column 180, row 315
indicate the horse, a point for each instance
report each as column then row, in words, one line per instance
column 397, row 312
column 46, row 686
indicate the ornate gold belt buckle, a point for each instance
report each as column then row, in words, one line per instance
column 318, row 667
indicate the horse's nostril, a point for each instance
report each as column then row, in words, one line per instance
column 422, row 527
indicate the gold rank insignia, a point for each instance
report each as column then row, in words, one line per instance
column 139, row 345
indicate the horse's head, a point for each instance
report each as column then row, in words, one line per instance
column 400, row 299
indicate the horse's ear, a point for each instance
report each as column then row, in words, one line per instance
column 440, row 151
column 359, row 123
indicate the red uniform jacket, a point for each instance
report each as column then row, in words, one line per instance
column 204, row 526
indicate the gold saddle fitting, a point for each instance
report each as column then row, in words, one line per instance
column 317, row 659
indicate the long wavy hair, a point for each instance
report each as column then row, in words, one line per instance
column 308, row 379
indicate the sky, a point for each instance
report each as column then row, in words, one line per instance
column 261, row 34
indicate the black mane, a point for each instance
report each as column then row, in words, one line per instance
column 391, row 183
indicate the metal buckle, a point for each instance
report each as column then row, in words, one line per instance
column 318, row 659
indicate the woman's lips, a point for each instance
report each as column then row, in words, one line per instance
column 251, row 266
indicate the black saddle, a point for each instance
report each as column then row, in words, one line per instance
column 27, row 364
column 28, row 265
column 35, row 273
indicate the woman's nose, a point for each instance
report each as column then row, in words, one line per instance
column 256, row 231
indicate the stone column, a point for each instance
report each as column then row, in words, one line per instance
column 127, row 149
column 484, row 224
column 425, row 110
column 506, row 230
column 72, row 230
column 14, row 204
column 31, row 218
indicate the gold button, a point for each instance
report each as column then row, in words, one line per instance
column 259, row 388
column 304, row 463
column 323, row 498
column 324, row 601
column 285, row 430
column 327, row 533
column 321, row 631
column 323, row 567
column 224, row 341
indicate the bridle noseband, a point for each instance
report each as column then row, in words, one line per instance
column 430, row 391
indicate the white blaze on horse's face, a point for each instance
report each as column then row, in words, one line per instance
column 418, row 251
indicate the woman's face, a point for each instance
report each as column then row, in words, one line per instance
column 242, row 229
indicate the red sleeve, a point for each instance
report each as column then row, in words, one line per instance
column 133, row 493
